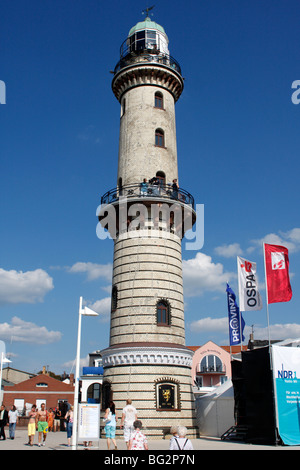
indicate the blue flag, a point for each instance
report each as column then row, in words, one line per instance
column 235, row 328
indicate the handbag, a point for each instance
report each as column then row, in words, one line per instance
column 108, row 419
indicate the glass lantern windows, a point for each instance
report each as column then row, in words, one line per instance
column 143, row 40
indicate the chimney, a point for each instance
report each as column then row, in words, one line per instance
column 71, row 379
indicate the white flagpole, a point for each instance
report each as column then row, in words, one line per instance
column 228, row 321
column 270, row 350
column 240, row 313
column 267, row 294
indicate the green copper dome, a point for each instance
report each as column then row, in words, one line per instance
column 146, row 24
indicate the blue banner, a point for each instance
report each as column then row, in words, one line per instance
column 286, row 373
column 235, row 320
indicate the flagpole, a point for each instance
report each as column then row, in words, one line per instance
column 270, row 352
column 227, row 285
column 267, row 304
column 240, row 313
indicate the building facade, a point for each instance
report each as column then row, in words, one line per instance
column 147, row 214
column 39, row 389
column 211, row 366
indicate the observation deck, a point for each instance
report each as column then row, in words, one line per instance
column 134, row 207
column 151, row 192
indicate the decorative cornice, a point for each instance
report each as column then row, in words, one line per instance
column 147, row 355
column 143, row 75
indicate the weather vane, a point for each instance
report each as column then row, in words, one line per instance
column 147, row 11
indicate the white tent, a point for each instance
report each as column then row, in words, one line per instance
column 215, row 411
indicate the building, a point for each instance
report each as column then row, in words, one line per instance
column 147, row 215
column 37, row 390
column 15, row 376
column 210, row 367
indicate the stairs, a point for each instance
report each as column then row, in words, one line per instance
column 235, row 433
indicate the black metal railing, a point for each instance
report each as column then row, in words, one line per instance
column 147, row 56
column 138, row 190
column 217, row 369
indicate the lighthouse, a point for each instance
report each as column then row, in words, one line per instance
column 147, row 213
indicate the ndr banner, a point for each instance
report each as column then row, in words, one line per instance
column 286, row 372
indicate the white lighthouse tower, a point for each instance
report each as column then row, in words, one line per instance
column 147, row 215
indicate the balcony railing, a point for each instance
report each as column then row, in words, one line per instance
column 147, row 56
column 219, row 369
column 150, row 191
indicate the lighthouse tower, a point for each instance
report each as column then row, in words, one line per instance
column 147, row 215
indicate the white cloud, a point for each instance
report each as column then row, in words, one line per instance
column 289, row 239
column 93, row 270
column 220, row 325
column 102, row 307
column 278, row 331
column 83, row 362
column 200, row 274
column 24, row 287
column 229, row 251
column 210, row 324
column 27, row 332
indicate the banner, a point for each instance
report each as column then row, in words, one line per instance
column 286, row 374
column 236, row 321
column 277, row 273
column 249, row 295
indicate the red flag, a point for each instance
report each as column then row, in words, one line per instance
column 277, row 273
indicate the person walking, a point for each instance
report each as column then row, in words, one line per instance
column 110, row 419
column 57, row 418
column 129, row 415
column 13, row 419
column 138, row 440
column 42, row 424
column 181, row 442
column 69, row 421
column 174, row 432
column 31, row 425
column 50, row 419
column 3, row 421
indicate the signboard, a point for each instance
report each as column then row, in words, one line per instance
column 89, row 422
column 166, row 396
column 286, row 373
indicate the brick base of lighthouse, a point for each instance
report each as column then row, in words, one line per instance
column 158, row 380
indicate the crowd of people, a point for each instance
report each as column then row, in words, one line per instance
column 40, row 420
column 44, row 421
column 155, row 186
column 134, row 437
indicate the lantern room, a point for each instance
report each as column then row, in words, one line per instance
column 145, row 36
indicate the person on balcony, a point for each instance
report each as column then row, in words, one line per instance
column 155, row 185
column 175, row 188
column 144, row 187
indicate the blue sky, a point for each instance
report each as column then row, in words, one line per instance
column 238, row 151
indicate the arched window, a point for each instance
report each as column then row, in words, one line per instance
column 158, row 100
column 159, row 138
column 163, row 316
column 114, row 298
column 94, row 393
column 211, row 363
column 160, row 175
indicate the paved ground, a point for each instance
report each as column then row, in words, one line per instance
column 58, row 441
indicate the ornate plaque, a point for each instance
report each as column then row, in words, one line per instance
column 166, row 397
